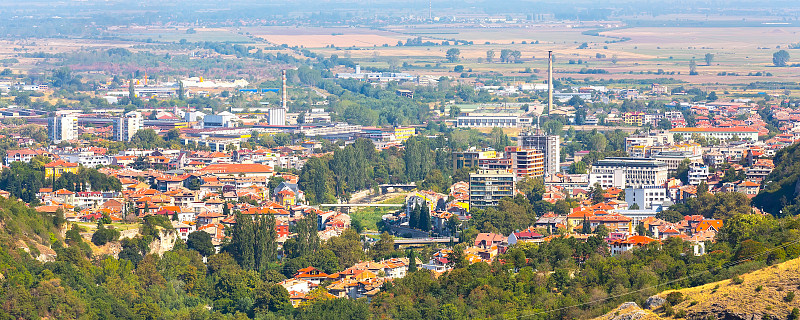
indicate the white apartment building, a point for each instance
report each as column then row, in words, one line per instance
column 87, row 158
column 628, row 172
column 698, row 173
column 126, row 127
column 62, row 128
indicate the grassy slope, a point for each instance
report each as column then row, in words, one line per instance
column 369, row 217
column 735, row 300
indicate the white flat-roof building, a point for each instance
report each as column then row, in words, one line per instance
column 743, row 133
column 493, row 120
column 646, row 197
column 628, row 172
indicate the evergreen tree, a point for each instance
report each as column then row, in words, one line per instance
column 181, row 91
column 587, row 228
column 307, row 237
column 424, row 218
column 265, row 247
column 412, row 261
column 226, row 210
column 413, row 216
column 131, row 90
column 242, row 245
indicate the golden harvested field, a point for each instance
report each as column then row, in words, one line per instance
column 322, row 40
column 646, row 53
column 322, row 37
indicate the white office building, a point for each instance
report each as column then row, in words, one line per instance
column 743, row 133
column 628, row 172
column 277, row 117
column 224, row 119
column 646, row 197
column 193, row 116
column 127, row 126
column 549, row 145
column 62, row 128
column 493, row 120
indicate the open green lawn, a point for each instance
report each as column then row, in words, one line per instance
column 369, row 217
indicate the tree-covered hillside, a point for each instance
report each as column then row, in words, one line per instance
column 780, row 194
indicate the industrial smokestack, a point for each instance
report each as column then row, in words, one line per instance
column 284, row 95
column 549, row 81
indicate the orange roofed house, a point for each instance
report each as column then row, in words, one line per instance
column 620, row 246
column 238, row 169
column 56, row 168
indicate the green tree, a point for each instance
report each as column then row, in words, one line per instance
column 780, row 58
column 489, row 56
column 453, row 55
column 692, row 67
column 200, row 241
column 709, row 58
column 384, row 247
column 598, row 194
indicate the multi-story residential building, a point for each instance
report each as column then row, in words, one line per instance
column 526, row 162
column 633, row 118
column 628, row 172
column 487, row 187
column 403, row 133
column 471, row 157
column 698, row 173
column 743, row 133
column 25, row 155
column 126, row 127
column 549, row 145
column 62, row 128
column 87, row 158
column 646, row 197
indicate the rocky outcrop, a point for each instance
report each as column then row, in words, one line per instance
column 654, row 302
column 165, row 242
column 629, row 311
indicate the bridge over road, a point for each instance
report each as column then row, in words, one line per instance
column 412, row 241
column 346, row 207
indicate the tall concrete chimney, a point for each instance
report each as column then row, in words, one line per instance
column 284, row 95
column 549, row 81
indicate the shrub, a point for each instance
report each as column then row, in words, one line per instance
column 789, row 296
column 674, row 298
column 104, row 235
column 737, row 280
